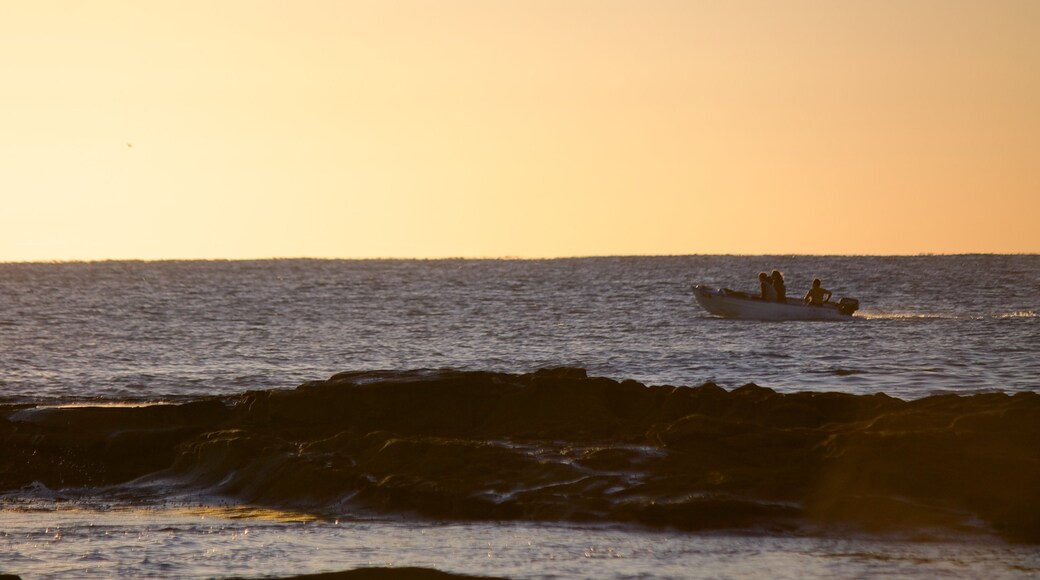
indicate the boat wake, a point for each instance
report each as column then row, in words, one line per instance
column 555, row 445
column 868, row 315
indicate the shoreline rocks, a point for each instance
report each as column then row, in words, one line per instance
column 559, row 445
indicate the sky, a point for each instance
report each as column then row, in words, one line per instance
column 239, row 129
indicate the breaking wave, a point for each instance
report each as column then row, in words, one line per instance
column 557, row 445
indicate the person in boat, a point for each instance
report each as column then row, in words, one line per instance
column 778, row 285
column 768, row 291
column 815, row 295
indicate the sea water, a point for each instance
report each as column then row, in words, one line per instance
column 182, row 544
column 150, row 331
column 119, row 333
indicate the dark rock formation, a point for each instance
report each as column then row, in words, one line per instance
column 558, row 445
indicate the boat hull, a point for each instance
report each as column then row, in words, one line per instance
column 730, row 304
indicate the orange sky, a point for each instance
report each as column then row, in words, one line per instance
column 527, row 128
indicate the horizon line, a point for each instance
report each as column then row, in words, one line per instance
column 510, row 257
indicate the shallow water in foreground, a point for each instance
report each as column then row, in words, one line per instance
column 188, row 543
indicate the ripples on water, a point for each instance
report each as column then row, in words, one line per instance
column 187, row 544
column 172, row 330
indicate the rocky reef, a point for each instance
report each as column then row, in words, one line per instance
column 559, row 445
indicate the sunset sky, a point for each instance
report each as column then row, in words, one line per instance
column 530, row 128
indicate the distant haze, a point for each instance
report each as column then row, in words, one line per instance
column 531, row 128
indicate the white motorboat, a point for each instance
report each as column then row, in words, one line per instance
column 734, row 304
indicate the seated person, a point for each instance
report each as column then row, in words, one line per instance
column 768, row 292
column 815, row 295
column 779, row 286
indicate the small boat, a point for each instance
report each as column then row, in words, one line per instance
column 733, row 304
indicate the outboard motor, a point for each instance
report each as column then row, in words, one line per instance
column 848, row 305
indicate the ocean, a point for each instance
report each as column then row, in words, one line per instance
column 163, row 331
column 96, row 346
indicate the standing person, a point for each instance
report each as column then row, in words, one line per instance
column 815, row 294
column 779, row 286
column 768, row 292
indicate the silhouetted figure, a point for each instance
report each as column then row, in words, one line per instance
column 779, row 286
column 768, row 292
column 815, row 294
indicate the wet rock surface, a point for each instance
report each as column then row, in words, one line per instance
column 559, row 445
